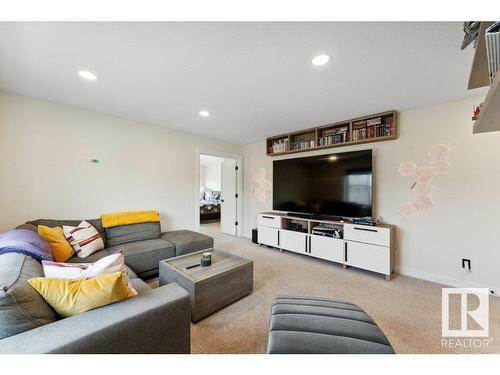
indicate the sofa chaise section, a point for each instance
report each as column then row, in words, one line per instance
column 187, row 241
column 155, row 321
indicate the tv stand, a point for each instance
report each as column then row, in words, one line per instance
column 362, row 246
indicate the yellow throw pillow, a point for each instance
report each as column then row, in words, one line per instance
column 72, row 297
column 59, row 246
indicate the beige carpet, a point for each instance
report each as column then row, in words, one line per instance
column 408, row 310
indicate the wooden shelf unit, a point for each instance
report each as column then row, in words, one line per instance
column 343, row 133
column 479, row 73
column 489, row 119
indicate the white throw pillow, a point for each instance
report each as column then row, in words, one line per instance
column 110, row 264
column 84, row 238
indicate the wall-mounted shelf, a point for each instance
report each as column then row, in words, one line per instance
column 479, row 74
column 489, row 120
column 367, row 129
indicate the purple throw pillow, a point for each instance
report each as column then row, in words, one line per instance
column 26, row 242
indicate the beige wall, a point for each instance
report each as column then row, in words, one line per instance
column 45, row 171
column 45, row 168
column 464, row 221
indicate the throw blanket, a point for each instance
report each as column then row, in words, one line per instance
column 116, row 219
column 26, row 242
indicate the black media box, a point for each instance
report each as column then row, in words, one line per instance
column 254, row 235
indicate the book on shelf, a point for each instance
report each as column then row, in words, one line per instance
column 374, row 121
column 359, row 130
column 279, row 145
column 302, row 145
column 372, row 128
column 334, row 136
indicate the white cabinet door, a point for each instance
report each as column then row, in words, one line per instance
column 327, row 248
column 268, row 236
column 369, row 257
column 266, row 220
column 293, row 241
column 367, row 234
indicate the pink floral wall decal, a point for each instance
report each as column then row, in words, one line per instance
column 422, row 186
column 262, row 185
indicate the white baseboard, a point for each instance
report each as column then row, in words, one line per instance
column 247, row 235
column 445, row 280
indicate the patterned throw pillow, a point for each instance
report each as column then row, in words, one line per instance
column 84, row 238
column 110, row 264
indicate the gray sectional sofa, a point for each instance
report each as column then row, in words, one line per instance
column 155, row 321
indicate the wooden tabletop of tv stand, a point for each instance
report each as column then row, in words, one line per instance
column 286, row 216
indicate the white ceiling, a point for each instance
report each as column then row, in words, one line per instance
column 208, row 160
column 256, row 79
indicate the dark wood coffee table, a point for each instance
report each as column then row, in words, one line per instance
column 228, row 279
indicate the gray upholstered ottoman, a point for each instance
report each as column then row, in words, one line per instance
column 320, row 326
column 187, row 241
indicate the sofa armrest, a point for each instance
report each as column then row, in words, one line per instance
column 157, row 321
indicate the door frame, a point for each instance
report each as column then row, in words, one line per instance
column 239, row 185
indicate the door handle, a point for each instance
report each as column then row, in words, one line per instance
column 310, row 247
column 345, row 252
column 305, row 238
column 366, row 229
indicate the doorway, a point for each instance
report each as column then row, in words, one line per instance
column 219, row 206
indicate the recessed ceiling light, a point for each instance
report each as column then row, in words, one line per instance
column 204, row 113
column 320, row 60
column 87, row 75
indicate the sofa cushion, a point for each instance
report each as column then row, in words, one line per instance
column 143, row 256
column 140, row 286
column 59, row 246
column 27, row 226
column 99, row 255
column 91, row 258
column 96, row 223
column 21, row 307
column 110, row 264
column 319, row 326
column 132, row 233
column 130, row 272
column 84, row 239
column 69, row 297
column 187, row 241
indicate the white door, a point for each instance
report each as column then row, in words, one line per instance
column 229, row 205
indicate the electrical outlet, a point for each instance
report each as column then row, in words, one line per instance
column 466, row 264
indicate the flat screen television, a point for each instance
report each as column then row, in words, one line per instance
column 337, row 185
